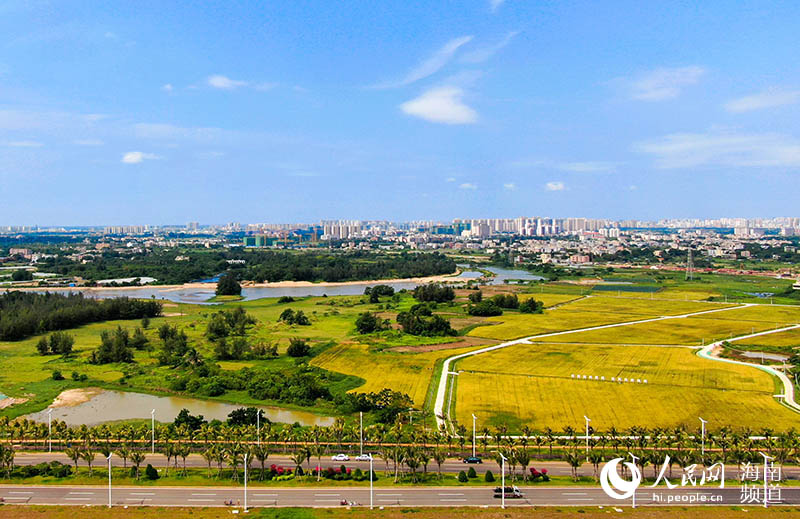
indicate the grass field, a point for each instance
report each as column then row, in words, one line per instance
column 788, row 340
column 680, row 388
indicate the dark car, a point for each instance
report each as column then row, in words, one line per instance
column 473, row 459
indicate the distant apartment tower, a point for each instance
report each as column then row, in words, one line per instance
column 192, row 226
column 341, row 230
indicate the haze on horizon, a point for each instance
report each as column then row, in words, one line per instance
column 294, row 112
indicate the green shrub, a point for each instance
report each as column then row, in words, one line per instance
column 57, row 375
column 462, row 477
column 471, row 473
column 488, row 477
column 150, row 472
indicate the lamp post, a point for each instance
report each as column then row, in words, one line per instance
column 370, row 482
column 361, row 434
column 473, row 434
column 245, row 482
column 153, row 431
column 703, row 438
column 587, row 435
column 502, row 480
column 49, row 430
column 258, row 427
column 109, row 480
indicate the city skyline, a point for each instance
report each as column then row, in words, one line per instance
column 117, row 114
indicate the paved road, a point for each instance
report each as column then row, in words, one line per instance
column 392, row 496
column 441, row 391
column 451, row 466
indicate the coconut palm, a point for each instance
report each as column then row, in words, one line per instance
column 73, row 453
column 137, row 458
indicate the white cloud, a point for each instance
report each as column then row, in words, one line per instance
column 664, row 83
column 224, row 83
column 509, row 186
column 167, row 87
column 765, row 99
column 137, row 157
column 494, row 5
column 468, row 185
column 23, row 144
column 587, row 167
column 441, row 105
column 431, row 65
column 684, row 150
column 450, row 179
column 89, row 142
column 484, row 53
column 555, row 186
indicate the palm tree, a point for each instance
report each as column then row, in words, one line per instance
column 88, row 455
column 261, row 453
column 208, row 454
column 73, row 453
column 137, row 458
column 523, row 457
column 299, row 457
column 183, row 451
column 124, row 452
column 595, row 458
column 439, row 456
column 318, row 450
column 575, row 460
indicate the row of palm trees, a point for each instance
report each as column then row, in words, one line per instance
column 783, row 446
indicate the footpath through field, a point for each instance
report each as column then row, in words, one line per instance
column 441, row 390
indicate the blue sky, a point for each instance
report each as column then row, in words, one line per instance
column 154, row 112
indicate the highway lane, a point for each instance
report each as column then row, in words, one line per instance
column 451, row 466
column 382, row 496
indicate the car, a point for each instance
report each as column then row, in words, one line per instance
column 472, row 459
column 340, row 457
column 363, row 457
column 510, row 492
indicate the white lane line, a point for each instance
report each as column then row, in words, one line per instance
column 138, row 499
column 263, row 500
column 78, row 498
column 265, row 495
column 388, row 495
column 200, row 500
column 18, row 492
column 81, row 493
column 143, row 493
column 574, row 494
column 451, row 494
column 452, row 500
column 327, row 495
column 326, row 500
column 12, row 497
column 580, row 499
column 391, row 500
column 204, row 494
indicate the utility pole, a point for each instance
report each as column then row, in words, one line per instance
column 370, row 482
column 587, row 436
column 49, row 430
column 473, row 434
column 153, row 431
column 689, row 266
column 361, row 434
column 245, row 482
column 258, row 427
column 109, row 480
column 703, row 438
column 502, row 481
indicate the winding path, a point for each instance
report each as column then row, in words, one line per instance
column 788, row 386
column 441, row 391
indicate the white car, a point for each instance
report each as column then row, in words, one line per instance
column 340, row 457
column 363, row 457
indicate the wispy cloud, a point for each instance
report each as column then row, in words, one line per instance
column 494, row 5
column 685, row 150
column 482, row 54
column 167, row 87
column 761, row 100
column 89, row 142
column 137, row 157
column 450, row 179
column 429, row 66
column 224, row 83
column 587, row 167
column 509, row 186
column 663, row 83
column 441, row 105
column 468, row 185
column 23, row 144
column 555, row 186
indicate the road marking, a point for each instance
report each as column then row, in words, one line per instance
column 390, row 500
column 81, row 493
column 138, row 499
column 388, row 495
column 144, row 493
column 326, row 500
column 451, row 494
column 265, row 495
column 452, row 500
column 12, row 497
column 201, row 500
column 204, row 494
column 327, row 495
column 78, row 498
column 580, row 499
column 574, row 493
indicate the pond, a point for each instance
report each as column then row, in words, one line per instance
column 109, row 406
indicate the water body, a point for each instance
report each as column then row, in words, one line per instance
column 119, row 405
column 199, row 295
column 766, row 356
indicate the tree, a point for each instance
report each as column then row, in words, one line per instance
column 485, row 309
column 137, row 458
column 476, row 297
column 531, row 306
column 22, row 275
column 113, row 348
column 434, row 292
column 368, row 322
column 150, row 473
column 298, row 347
column 139, row 341
column 228, row 285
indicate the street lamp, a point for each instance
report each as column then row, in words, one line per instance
column 153, row 431
column 703, row 437
column 361, row 433
column 473, row 434
column 587, row 435
column 258, row 427
column 245, row 482
column 109, row 480
column 502, row 480
column 370, row 482
column 49, row 430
